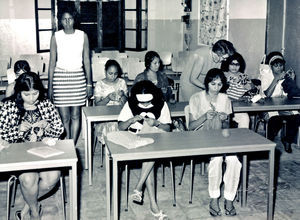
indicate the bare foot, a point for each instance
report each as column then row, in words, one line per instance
column 24, row 211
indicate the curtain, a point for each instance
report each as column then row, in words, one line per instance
column 213, row 21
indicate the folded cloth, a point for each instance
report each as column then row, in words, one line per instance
column 128, row 139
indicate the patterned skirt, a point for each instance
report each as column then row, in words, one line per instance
column 69, row 88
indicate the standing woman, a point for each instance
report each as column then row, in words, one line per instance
column 70, row 79
column 199, row 63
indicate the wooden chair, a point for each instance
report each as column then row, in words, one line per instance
column 166, row 58
column 12, row 185
column 187, row 118
column 134, row 68
column 35, row 61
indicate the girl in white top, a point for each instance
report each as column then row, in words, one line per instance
column 271, row 85
column 209, row 109
column 145, row 105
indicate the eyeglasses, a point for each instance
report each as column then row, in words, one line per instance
column 277, row 65
column 234, row 64
column 223, row 57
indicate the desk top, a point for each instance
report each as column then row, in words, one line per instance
column 111, row 112
column 269, row 104
column 193, row 143
column 16, row 157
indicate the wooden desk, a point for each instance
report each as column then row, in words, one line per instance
column 270, row 104
column 171, row 144
column 105, row 114
column 16, row 158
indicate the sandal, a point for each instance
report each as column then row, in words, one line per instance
column 18, row 215
column 232, row 211
column 213, row 212
column 160, row 215
column 137, row 197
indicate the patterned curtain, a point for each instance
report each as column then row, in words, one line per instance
column 213, row 21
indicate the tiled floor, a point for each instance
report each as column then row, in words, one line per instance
column 93, row 198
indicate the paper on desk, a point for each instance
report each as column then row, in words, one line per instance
column 128, row 139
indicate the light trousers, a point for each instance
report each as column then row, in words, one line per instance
column 242, row 119
column 231, row 176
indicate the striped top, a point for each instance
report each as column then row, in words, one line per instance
column 239, row 83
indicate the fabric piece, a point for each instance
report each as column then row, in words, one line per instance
column 128, row 139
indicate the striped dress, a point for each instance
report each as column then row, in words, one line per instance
column 69, row 80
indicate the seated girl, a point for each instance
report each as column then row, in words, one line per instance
column 239, row 83
column 21, row 66
column 145, row 106
column 209, row 109
column 271, row 85
column 27, row 116
column 153, row 73
column 112, row 90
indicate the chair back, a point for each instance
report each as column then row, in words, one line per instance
column 166, row 57
column 4, row 65
column 35, row 61
column 134, row 69
column 187, row 116
column 98, row 68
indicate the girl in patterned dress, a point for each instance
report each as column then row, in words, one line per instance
column 70, row 80
column 27, row 116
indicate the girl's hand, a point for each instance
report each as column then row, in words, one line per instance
column 223, row 116
column 3, row 144
column 89, row 91
column 121, row 93
column 41, row 124
column 112, row 96
column 49, row 141
column 25, row 126
column 137, row 118
column 280, row 76
column 210, row 114
column 151, row 122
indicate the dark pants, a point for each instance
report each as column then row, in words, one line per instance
column 292, row 124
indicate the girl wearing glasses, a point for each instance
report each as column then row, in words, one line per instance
column 238, row 82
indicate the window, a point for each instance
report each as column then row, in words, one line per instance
column 45, row 24
column 135, row 14
column 110, row 25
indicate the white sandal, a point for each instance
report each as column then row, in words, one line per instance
column 160, row 215
column 137, row 197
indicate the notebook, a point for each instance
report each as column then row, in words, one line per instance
column 45, row 151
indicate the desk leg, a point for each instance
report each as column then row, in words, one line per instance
column 244, row 181
column 271, row 184
column 90, row 153
column 115, row 190
column 84, row 127
column 73, row 192
column 108, row 189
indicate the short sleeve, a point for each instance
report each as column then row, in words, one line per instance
column 165, row 116
column 125, row 113
column 123, row 86
column 98, row 91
